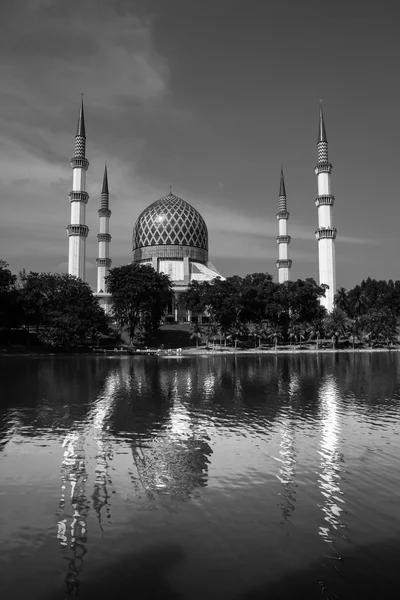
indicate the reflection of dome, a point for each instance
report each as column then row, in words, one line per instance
column 170, row 222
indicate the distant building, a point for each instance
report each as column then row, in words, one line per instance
column 172, row 236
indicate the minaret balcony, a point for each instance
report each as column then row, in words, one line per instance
column 282, row 214
column 103, row 237
column 79, row 163
column 284, row 263
column 81, row 230
column 79, row 197
column 103, row 262
column 325, row 233
column 323, row 167
column 283, row 239
column 104, row 212
column 325, row 200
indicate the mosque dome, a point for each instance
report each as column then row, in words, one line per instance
column 170, row 227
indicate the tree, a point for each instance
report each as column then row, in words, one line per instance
column 9, row 306
column 138, row 293
column 275, row 334
column 357, row 301
column 336, row 325
column 315, row 330
column 213, row 332
column 66, row 313
column 354, row 330
column 380, row 326
column 196, row 333
column 341, row 300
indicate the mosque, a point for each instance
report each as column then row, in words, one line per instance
column 172, row 236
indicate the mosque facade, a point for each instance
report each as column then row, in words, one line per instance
column 172, row 236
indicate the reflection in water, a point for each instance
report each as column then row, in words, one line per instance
column 288, row 385
column 73, row 537
column 331, row 463
column 100, row 416
column 174, row 462
column 163, row 420
column 287, row 464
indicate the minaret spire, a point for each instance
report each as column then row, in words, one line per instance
column 325, row 233
column 78, row 230
column 283, row 240
column 321, row 131
column 80, row 130
column 282, row 189
column 104, row 189
column 103, row 261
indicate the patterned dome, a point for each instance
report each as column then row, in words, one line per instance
column 170, row 221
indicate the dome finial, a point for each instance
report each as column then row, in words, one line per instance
column 170, row 190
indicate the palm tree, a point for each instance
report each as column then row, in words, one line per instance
column 224, row 333
column 315, row 330
column 261, row 331
column 354, row 330
column 213, row 332
column 341, row 300
column 233, row 333
column 275, row 334
column 292, row 332
column 196, row 333
column 336, row 325
column 358, row 301
column 302, row 330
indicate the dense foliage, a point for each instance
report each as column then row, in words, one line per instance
column 139, row 297
column 254, row 309
column 61, row 309
column 259, row 309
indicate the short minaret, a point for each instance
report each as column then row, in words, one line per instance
column 325, row 233
column 104, row 262
column 78, row 230
column 283, row 240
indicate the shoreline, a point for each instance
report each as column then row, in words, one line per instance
column 188, row 352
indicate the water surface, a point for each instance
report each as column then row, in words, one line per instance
column 201, row 477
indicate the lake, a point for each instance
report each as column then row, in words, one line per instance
column 216, row 477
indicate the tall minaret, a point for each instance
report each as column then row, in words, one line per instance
column 79, row 197
column 283, row 263
column 103, row 262
column 325, row 233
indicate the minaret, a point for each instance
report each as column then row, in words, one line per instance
column 283, row 240
column 77, row 230
column 325, row 233
column 103, row 262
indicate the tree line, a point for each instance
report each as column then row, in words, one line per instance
column 64, row 313
column 255, row 308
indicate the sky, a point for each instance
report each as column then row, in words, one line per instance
column 210, row 97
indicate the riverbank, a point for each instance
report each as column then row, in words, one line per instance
column 180, row 352
column 304, row 350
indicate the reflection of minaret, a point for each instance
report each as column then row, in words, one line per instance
column 99, row 416
column 330, row 471
column 287, row 452
column 73, row 537
column 74, row 505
